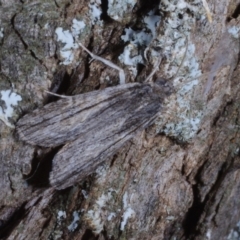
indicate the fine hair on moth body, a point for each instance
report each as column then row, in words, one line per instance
column 94, row 125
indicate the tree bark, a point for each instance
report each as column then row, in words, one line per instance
column 179, row 179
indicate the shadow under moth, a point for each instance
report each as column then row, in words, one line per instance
column 93, row 126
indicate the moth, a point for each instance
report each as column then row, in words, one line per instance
column 91, row 126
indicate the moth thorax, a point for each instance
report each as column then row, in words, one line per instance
column 166, row 86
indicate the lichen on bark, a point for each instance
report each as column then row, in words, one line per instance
column 178, row 179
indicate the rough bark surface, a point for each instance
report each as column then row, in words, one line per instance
column 180, row 178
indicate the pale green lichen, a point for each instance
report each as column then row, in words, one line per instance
column 70, row 40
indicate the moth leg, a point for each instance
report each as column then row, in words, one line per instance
column 57, row 95
column 106, row 62
column 53, row 94
column 209, row 14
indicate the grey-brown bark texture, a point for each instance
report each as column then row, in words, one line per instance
column 177, row 179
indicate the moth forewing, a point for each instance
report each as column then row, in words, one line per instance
column 64, row 120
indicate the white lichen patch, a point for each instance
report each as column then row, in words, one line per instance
column 128, row 212
column 61, row 215
column 66, row 52
column 77, row 27
column 95, row 12
column 234, row 233
column 46, row 26
column 131, row 61
column 101, row 172
column 84, row 193
column 195, row 6
column 234, row 31
column 138, row 39
column 74, row 224
column 97, row 216
column 95, row 221
column 208, row 234
column 9, row 99
column 69, row 39
column 1, row 33
column 111, row 216
column 118, row 10
column 152, row 21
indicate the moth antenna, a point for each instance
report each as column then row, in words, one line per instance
column 194, row 78
column 106, row 62
column 184, row 56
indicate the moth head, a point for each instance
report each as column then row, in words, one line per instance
column 166, row 86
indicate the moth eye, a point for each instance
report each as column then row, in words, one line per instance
column 161, row 82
